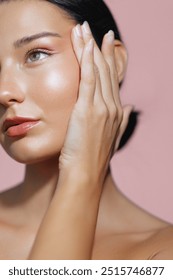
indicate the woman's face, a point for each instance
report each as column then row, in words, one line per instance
column 39, row 79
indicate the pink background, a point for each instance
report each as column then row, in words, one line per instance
column 143, row 169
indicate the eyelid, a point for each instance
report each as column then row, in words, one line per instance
column 37, row 49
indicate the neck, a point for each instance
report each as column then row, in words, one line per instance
column 110, row 204
column 41, row 175
column 38, row 186
column 40, row 182
column 38, row 189
column 117, row 214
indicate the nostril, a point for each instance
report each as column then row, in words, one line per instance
column 10, row 96
column 12, row 100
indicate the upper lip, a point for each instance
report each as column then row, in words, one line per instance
column 15, row 121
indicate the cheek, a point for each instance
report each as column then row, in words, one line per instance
column 61, row 86
column 57, row 92
column 57, row 84
column 52, row 92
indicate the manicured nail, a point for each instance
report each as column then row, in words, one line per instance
column 78, row 30
column 87, row 28
column 110, row 37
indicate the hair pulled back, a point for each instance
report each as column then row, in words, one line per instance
column 95, row 12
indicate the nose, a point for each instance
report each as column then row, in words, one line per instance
column 10, row 87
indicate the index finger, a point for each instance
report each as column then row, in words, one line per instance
column 109, row 55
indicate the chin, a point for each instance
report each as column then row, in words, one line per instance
column 29, row 159
column 32, row 153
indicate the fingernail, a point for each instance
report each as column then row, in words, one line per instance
column 78, row 30
column 87, row 28
column 111, row 37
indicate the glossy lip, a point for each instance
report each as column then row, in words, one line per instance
column 21, row 125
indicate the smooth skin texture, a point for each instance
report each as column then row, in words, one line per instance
column 72, row 88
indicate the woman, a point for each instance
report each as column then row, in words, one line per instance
column 61, row 115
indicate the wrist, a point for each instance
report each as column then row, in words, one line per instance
column 77, row 182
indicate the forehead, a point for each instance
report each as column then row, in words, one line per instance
column 19, row 18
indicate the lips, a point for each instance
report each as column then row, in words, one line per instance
column 18, row 126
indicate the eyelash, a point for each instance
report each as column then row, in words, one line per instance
column 34, row 51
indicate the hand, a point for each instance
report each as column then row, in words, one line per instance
column 95, row 128
column 98, row 120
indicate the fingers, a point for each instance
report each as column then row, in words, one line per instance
column 127, row 110
column 90, row 85
column 78, row 42
column 101, row 67
column 99, row 81
column 109, row 57
column 99, row 84
column 88, row 80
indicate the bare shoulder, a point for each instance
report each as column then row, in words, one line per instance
column 163, row 240
column 9, row 205
column 153, row 242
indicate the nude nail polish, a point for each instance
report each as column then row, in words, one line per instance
column 87, row 28
column 111, row 36
column 78, row 30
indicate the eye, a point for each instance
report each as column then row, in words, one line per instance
column 36, row 55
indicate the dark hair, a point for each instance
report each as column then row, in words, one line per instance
column 95, row 12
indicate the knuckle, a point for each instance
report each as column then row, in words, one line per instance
column 113, row 112
column 103, row 112
column 116, row 114
column 96, row 70
column 120, row 115
column 88, row 79
column 106, row 67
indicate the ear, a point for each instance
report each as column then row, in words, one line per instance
column 121, row 59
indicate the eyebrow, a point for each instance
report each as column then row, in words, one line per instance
column 28, row 39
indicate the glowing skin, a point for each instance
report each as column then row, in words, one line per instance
column 42, row 85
